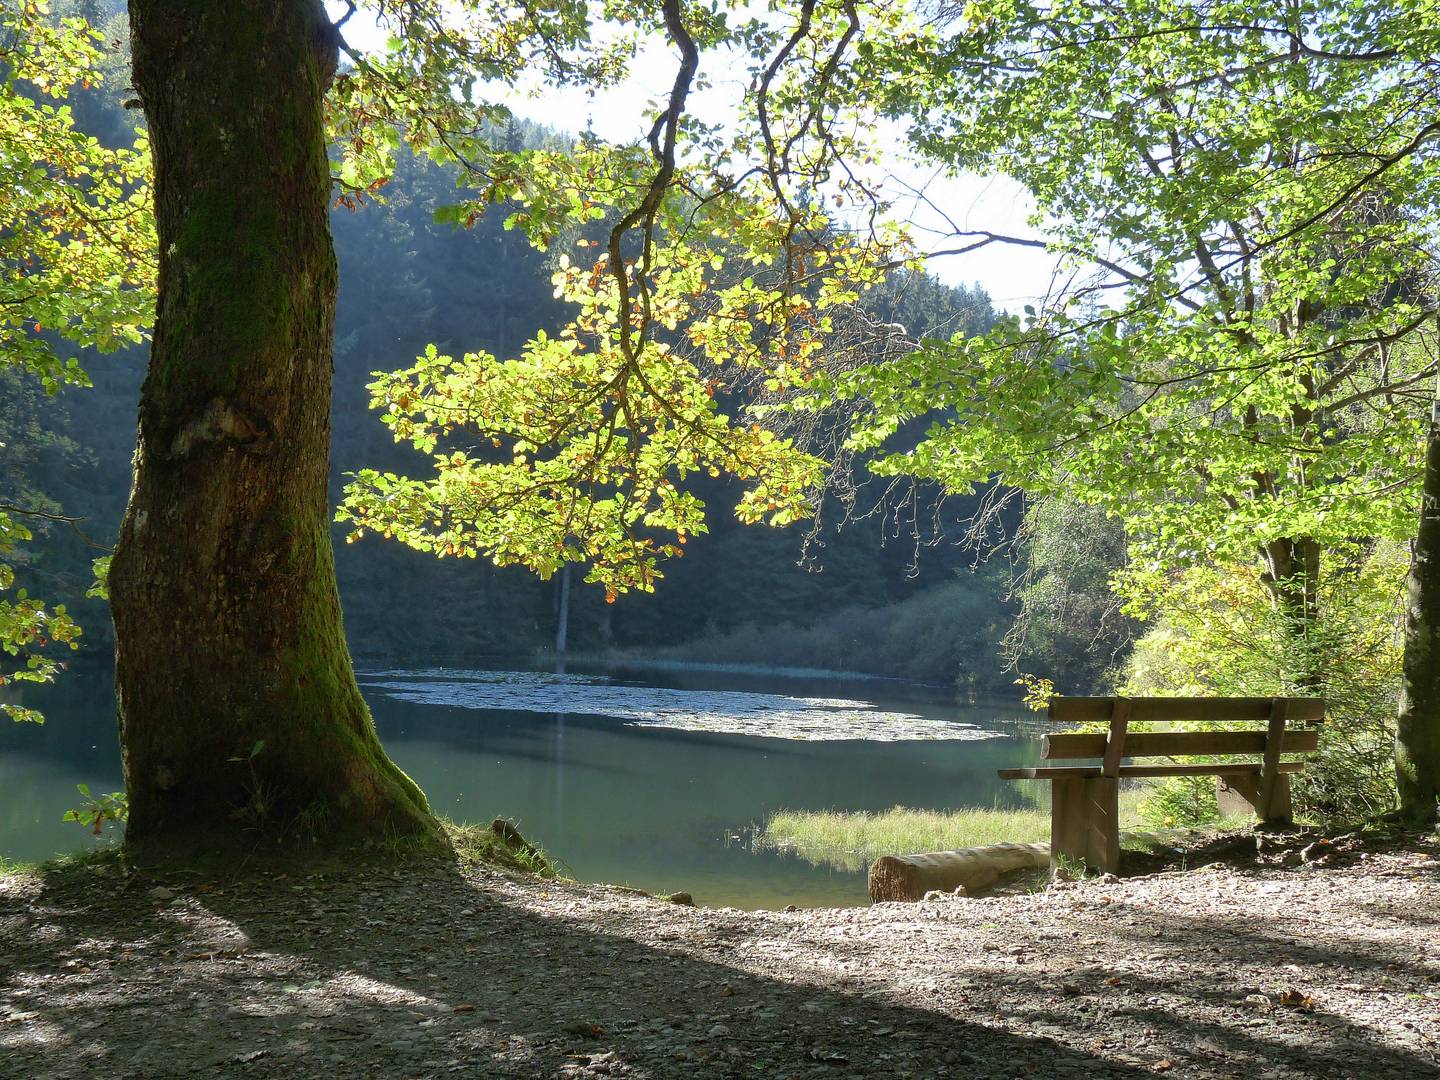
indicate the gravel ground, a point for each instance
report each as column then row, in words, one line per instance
column 1248, row 969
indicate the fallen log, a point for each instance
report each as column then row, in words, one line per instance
column 910, row 877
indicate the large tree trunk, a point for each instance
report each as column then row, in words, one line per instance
column 1417, row 743
column 238, row 703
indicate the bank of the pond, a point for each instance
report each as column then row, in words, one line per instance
column 635, row 660
column 849, row 840
column 1245, row 967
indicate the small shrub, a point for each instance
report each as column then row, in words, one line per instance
column 1216, row 632
column 97, row 810
column 1186, row 802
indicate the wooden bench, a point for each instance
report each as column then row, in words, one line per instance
column 1084, row 814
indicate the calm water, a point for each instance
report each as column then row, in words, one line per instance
column 647, row 778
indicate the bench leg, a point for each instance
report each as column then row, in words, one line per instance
column 1242, row 795
column 1085, row 823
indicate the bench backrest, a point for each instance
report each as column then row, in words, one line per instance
column 1275, row 739
column 1083, row 710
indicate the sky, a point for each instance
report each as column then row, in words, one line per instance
column 1012, row 276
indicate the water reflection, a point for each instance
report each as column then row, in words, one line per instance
column 654, row 807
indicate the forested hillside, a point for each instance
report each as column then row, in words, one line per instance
column 407, row 281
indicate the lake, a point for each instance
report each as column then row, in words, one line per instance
column 652, row 778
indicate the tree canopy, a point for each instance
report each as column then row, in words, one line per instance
column 722, row 252
column 1257, row 202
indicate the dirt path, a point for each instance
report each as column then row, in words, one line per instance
column 1225, row 972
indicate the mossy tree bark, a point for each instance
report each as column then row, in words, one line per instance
column 1417, row 743
column 227, row 621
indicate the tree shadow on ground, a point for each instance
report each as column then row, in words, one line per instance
column 1176, row 975
column 425, row 974
column 1236, row 992
column 437, row 972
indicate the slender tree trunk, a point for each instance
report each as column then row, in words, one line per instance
column 562, row 611
column 238, row 703
column 1417, row 742
column 1292, row 574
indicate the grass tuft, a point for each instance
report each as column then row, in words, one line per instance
column 100, row 859
column 848, row 840
column 498, row 844
column 11, row 868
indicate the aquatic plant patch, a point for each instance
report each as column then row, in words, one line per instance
column 727, row 712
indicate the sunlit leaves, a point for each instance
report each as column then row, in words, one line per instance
column 76, row 265
column 577, row 461
column 76, row 233
column 1249, row 204
column 696, row 272
column 27, row 627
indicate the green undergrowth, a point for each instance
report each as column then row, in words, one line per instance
column 11, row 868
column 95, row 858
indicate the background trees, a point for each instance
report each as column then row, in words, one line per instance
column 1252, row 386
column 1241, row 367
column 1070, row 623
column 75, row 267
